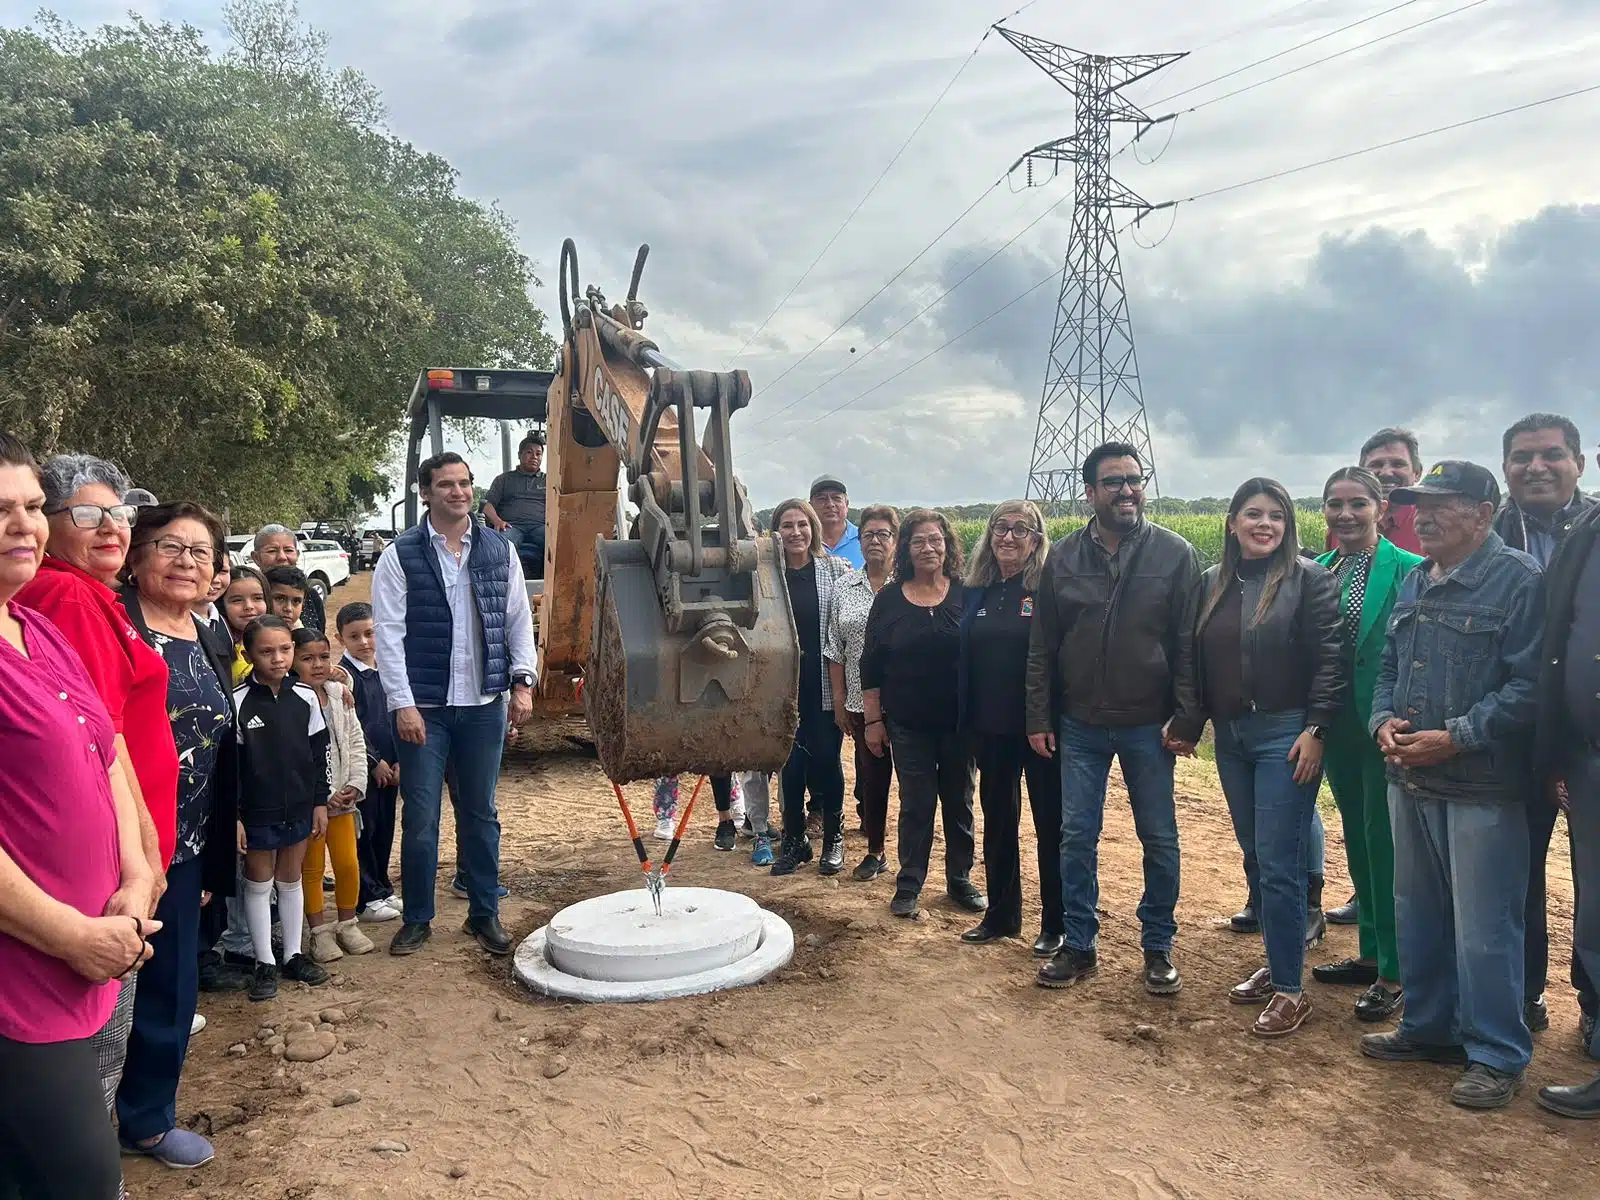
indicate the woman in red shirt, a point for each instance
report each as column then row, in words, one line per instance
column 90, row 527
column 74, row 911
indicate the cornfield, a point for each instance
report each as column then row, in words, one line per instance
column 1204, row 532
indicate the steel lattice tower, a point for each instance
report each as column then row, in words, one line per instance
column 1091, row 386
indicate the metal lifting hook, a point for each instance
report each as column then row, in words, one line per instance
column 655, row 881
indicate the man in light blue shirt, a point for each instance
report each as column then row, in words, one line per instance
column 839, row 534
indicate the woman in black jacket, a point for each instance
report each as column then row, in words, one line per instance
column 1272, row 679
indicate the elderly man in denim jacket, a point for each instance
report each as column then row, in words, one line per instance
column 1453, row 712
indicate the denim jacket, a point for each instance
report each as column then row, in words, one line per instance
column 1463, row 655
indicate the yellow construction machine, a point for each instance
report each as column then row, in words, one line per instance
column 670, row 631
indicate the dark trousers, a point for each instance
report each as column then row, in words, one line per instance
column 1003, row 760
column 163, row 1010
column 1536, row 917
column 935, row 771
column 55, row 1140
column 814, row 766
column 722, row 795
column 375, row 843
column 1583, row 827
column 874, row 774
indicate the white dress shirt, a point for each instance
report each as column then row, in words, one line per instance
column 466, row 644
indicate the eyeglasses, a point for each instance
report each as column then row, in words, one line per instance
column 932, row 542
column 878, row 535
column 1019, row 531
column 171, row 548
column 1115, row 483
column 89, row 516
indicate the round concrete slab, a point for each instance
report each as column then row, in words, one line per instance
column 773, row 948
column 619, row 937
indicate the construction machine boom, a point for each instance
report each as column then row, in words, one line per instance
column 677, row 633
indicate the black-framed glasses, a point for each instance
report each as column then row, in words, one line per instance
column 173, row 549
column 877, row 535
column 89, row 516
column 1115, row 483
column 1021, row 531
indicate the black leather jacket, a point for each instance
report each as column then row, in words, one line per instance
column 1114, row 651
column 1554, row 737
column 1294, row 656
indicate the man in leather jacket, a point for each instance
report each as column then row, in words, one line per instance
column 1110, row 661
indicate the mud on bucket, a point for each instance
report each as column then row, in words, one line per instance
column 664, row 703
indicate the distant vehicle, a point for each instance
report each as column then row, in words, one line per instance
column 371, row 546
column 326, row 563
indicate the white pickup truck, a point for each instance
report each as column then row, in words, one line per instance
column 326, row 564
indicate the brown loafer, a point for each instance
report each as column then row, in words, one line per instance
column 1282, row 1016
column 1253, row 990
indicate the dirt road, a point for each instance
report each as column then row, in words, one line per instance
column 888, row 1060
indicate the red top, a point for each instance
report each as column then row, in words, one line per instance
column 130, row 677
column 58, row 823
column 1399, row 525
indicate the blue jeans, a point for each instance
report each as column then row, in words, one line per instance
column 163, row 1010
column 1086, row 752
column 469, row 739
column 1272, row 820
column 1460, row 882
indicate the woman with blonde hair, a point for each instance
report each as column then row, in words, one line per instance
column 1007, row 564
column 811, row 576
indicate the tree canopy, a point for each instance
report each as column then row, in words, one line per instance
column 222, row 271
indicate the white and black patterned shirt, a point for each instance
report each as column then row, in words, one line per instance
column 847, row 632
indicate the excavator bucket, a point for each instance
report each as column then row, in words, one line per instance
column 713, row 699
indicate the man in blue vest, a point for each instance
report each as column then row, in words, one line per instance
column 454, row 635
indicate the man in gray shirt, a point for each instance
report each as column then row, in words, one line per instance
column 515, row 505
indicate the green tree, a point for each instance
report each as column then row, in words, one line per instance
column 223, row 272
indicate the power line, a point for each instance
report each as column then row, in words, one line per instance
column 882, row 175
column 939, row 299
column 1321, row 37
column 1249, row 25
column 1234, row 187
column 1250, row 87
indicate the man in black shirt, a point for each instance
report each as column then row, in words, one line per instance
column 1110, row 662
column 515, row 505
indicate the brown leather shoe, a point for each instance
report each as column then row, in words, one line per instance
column 1282, row 1016
column 1253, row 990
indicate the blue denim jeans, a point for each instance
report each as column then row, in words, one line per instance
column 1086, row 752
column 1272, row 820
column 1460, row 882
column 469, row 739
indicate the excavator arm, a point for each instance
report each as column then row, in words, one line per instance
column 677, row 636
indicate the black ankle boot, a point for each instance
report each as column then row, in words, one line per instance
column 1314, row 892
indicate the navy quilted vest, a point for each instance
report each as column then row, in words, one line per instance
column 428, row 626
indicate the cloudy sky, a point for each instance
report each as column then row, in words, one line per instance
column 1449, row 284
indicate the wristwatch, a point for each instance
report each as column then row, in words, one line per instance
column 1318, row 731
column 523, row 678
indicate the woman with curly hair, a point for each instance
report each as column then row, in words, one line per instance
column 910, row 698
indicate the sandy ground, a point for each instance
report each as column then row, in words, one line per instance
column 888, row 1060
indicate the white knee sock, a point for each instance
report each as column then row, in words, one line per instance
column 291, row 915
column 258, row 917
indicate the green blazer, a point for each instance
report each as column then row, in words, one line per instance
column 1390, row 566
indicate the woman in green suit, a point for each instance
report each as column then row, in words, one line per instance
column 1370, row 570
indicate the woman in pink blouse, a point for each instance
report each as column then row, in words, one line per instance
column 73, row 910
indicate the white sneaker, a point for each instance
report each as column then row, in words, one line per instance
column 325, row 945
column 664, row 828
column 350, row 938
column 380, row 910
column 196, row 1025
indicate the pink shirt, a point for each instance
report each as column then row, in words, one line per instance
column 58, row 823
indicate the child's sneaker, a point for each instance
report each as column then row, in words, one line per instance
column 664, row 829
column 325, row 945
column 264, row 983
column 761, row 856
column 725, row 835
column 351, row 939
column 301, row 969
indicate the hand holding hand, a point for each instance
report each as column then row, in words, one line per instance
column 1425, row 749
column 1386, row 734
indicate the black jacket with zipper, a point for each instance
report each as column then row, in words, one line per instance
column 1554, row 737
column 1114, row 651
column 1293, row 658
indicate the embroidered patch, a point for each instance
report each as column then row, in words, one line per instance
column 1027, row 606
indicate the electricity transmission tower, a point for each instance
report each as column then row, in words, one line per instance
column 1091, row 386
